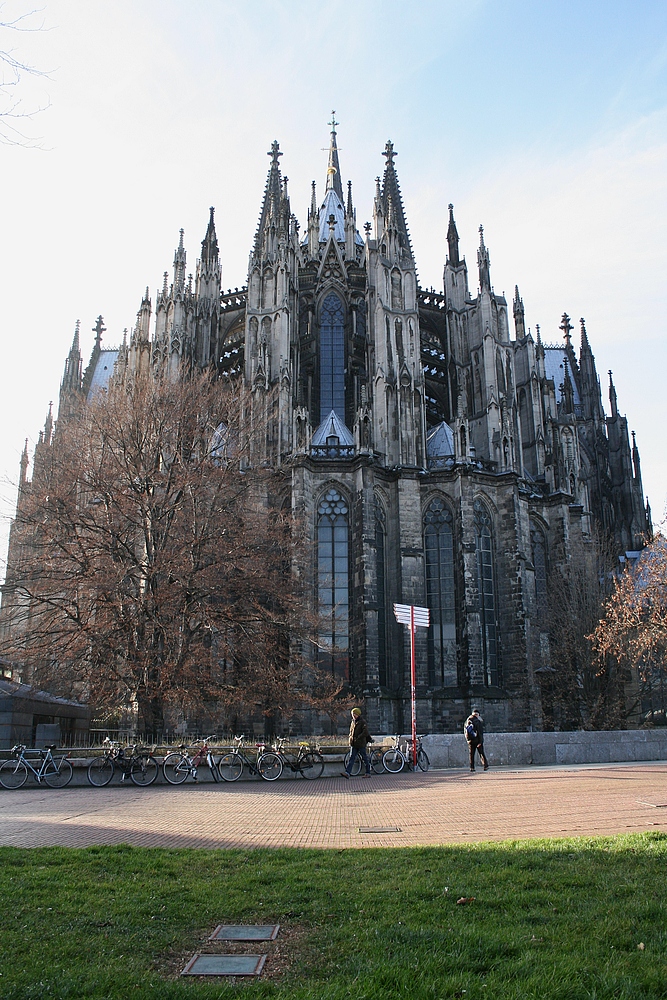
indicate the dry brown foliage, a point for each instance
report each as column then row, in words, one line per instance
column 155, row 564
column 632, row 631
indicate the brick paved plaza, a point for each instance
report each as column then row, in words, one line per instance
column 436, row 808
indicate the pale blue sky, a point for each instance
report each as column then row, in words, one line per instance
column 546, row 121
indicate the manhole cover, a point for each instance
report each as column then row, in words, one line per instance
column 245, row 932
column 224, row 965
column 379, row 829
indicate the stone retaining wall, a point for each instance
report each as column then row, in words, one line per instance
column 552, row 748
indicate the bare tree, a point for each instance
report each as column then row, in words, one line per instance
column 13, row 114
column 632, row 631
column 580, row 691
column 154, row 563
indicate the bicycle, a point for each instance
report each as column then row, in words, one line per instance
column 308, row 762
column 395, row 759
column 267, row 764
column 376, row 757
column 140, row 765
column 55, row 772
column 178, row 764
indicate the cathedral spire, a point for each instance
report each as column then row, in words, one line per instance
column 452, row 239
column 334, row 182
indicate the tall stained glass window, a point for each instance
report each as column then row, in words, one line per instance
column 440, row 594
column 380, row 557
column 332, row 358
column 486, row 591
column 333, row 591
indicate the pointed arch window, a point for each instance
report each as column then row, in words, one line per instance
column 332, row 357
column 333, row 590
column 440, row 594
column 486, row 594
column 380, row 557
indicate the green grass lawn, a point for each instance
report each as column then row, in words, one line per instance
column 551, row 920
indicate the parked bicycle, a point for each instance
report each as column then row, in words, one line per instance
column 267, row 764
column 135, row 762
column 178, row 764
column 307, row 762
column 56, row 772
column 376, row 757
column 396, row 758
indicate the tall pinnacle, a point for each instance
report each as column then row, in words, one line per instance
column 453, row 239
column 334, row 182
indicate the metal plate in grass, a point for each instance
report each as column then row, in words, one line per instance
column 245, row 932
column 224, row 965
column 379, row 829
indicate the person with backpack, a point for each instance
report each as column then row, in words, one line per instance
column 473, row 730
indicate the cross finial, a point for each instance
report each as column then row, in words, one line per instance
column 389, row 153
column 274, row 152
column 566, row 326
column 333, row 121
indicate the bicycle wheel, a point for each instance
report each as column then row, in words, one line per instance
column 13, row 774
column 176, row 767
column 212, row 766
column 356, row 767
column 230, row 766
column 311, row 764
column 376, row 760
column 58, row 773
column 144, row 771
column 100, row 771
column 393, row 761
column 423, row 763
column 270, row 766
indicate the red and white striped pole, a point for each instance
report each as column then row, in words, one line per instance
column 409, row 614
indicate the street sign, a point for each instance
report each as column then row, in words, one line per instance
column 414, row 617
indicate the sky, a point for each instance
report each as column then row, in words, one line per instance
column 544, row 121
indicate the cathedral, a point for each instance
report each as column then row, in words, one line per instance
column 441, row 454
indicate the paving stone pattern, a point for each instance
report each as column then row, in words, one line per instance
column 435, row 808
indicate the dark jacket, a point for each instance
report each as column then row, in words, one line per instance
column 478, row 723
column 359, row 735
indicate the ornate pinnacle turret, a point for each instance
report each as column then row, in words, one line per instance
column 274, row 199
column 349, row 209
column 23, row 475
column 519, row 316
column 209, row 248
column 391, row 195
column 179, row 264
column 483, row 262
column 613, row 401
column 48, row 424
column 452, row 240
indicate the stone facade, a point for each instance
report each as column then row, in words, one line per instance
column 437, row 459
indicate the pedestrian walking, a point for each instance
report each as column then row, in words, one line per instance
column 359, row 738
column 473, row 730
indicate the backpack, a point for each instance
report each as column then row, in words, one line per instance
column 471, row 732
